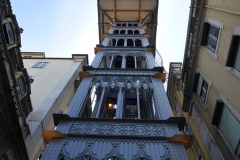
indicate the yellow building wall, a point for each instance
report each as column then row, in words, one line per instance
column 197, row 136
column 192, row 152
column 223, row 81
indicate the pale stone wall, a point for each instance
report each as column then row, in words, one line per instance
column 52, row 89
column 45, row 79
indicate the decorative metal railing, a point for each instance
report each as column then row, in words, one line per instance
column 158, row 59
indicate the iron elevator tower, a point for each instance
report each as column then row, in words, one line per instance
column 120, row 110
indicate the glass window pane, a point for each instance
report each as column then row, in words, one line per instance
column 212, row 43
column 203, row 94
column 205, row 85
column 21, row 88
column 40, row 64
column 229, row 126
column 237, row 59
column 10, row 33
column 214, row 31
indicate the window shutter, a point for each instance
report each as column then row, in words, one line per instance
column 195, row 82
column 232, row 50
column 217, row 112
column 204, row 36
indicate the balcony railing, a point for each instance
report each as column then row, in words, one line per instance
column 158, row 59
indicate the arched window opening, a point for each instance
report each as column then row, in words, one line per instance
column 116, row 32
column 136, row 32
column 131, row 104
column 120, row 42
column 135, row 24
column 122, row 32
column 112, row 42
column 141, row 62
column 130, row 42
column 130, row 63
column 138, row 43
column 130, row 32
column 118, row 62
column 118, row 24
column 87, row 111
column 106, row 62
column 124, row 24
column 129, row 24
column 9, row 33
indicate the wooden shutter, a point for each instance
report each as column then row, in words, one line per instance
column 232, row 50
column 199, row 86
column 204, row 36
column 217, row 112
column 195, row 82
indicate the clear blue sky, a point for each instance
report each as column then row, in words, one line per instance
column 64, row 27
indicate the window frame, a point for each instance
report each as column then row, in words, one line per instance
column 21, row 87
column 195, row 87
column 205, row 34
column 8, row 22
column 37, row 66
column 231, row 68
column 222, row 102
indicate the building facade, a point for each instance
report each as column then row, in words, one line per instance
column 211, row 77
column 15, row 89
column 120, row 109
column 54, row 81
column 175, row 95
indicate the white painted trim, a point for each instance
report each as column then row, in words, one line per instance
column 219, row 37
column 214, row 22
column 204, row 77
column 237, row 31
column 209, row 85
column 234, row 71
column 217, row 24
column 210, row 52
column 230, row 107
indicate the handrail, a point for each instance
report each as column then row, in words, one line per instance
column 158, row 59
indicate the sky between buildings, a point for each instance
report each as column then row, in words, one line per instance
column 61, row 28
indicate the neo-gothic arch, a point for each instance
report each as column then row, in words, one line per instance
column 120, row 42
column 130, row 31
column 112, row 42
column 116, row 32
column 126, row 31
column 130, row 42
column 136, row 31
column 127, row 24
column 122, row 31
column 138, row 42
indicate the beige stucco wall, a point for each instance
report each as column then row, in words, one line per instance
column 214, row 69
column 52, row 90
column 222, row 81
column 45, row 79
column 63, row 106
